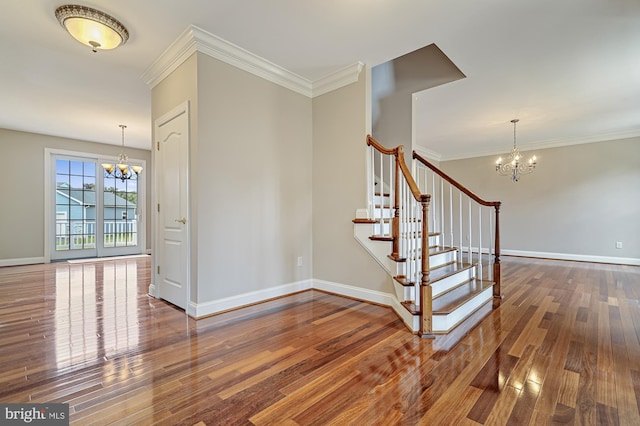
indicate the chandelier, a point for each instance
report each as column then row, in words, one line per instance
column 515, row 166
column 92, row 27
column 122, row 170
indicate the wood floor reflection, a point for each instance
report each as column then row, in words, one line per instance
column 562, row 348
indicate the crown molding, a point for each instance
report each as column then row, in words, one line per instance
column 194, row 39
column 547, row 144
column 428, row 154
column 337, row 79
column 173, row 56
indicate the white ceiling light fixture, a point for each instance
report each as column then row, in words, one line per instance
column 92, row 27
column 514, row 167
column 122, row 170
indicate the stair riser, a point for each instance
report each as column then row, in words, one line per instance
column 435, row 260
column 444, row 323
column 440, row 259
column 441, row 286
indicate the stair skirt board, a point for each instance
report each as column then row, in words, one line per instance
column 379, row 250
column 443, row 324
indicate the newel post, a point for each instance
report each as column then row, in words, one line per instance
column 497, row 292
column 426, row 292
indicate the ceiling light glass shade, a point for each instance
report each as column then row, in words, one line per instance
column 92, row 27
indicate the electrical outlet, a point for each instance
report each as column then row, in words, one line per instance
column 618, row 244
column 299, row 260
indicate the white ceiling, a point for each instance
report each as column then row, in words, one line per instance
column 569, row 70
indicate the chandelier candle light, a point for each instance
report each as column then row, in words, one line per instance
column 514, row 167
column 122, row 170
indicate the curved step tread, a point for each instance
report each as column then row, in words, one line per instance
column 411, row 307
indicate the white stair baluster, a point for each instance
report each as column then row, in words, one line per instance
column 451, row 214
column 491, row 258
column 460, row 220
column 480, row 241
column 469, row 257
column 434, row 198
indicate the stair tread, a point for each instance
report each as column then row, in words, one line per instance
column 448, row 269
column 449, row 301
column 381, row 238
column 402, row 280
column 440, row 249
column 364, row 220
column 411, row 307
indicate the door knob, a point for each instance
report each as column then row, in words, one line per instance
column 182, row 221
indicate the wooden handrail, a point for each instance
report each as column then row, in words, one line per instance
column 372, row 142
column 399, row 153
column 455, row 183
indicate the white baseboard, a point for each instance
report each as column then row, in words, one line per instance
column 372, row 296
column 575, row 257
column 21, row 261
column 354, row 292
column 198, row 310
column 153, row 290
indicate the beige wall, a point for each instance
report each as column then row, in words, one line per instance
column 339, row 188
column 254, row 170
column 22, row 189
column 580, row 200
column 250, row 171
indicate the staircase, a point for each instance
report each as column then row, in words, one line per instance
column 440, row 291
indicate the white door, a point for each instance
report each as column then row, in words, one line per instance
column 92, row 214
column 172, row 145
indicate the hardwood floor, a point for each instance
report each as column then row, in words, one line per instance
column 562, row 348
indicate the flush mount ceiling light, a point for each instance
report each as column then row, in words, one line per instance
column 92, row 27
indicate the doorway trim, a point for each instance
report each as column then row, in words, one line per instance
column 156, row 225
column 49, row 208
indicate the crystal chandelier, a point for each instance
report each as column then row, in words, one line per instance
column 122, row 170
column 515, row 166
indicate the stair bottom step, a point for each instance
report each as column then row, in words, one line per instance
column 446, row 342
column 445, row 323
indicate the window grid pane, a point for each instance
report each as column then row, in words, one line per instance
column 120, row 221
column 75, row 205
